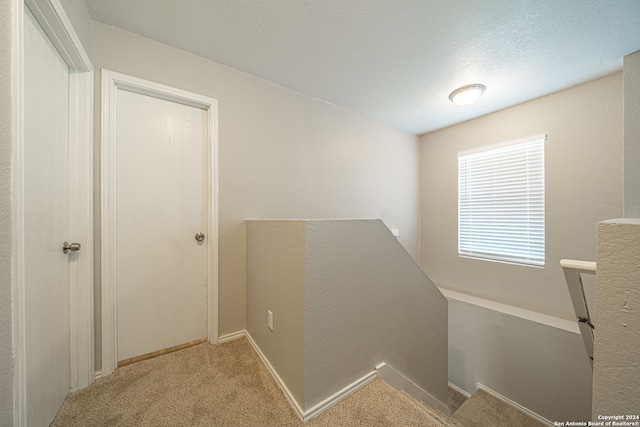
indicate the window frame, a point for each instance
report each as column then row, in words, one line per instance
column 516, row 239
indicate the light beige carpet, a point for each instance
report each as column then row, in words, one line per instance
column 456, row 399
column 202, row 385
column 379, row 404
column 225, row 385
column 484, row 410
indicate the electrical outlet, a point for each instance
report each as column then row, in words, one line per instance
column 270, row 319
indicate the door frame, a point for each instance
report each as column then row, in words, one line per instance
column 111, row 83
column 53, row 19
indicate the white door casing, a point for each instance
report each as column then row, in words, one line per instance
column 76, row 302
column 113, row 85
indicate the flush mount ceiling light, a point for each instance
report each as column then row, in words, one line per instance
column 466, row 95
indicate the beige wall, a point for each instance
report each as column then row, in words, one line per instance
column 345, row 296
column 78, row 13
column 276, row 272
column 617, row 300
column 282, row 155
column 368, row 302
column 6, row 239
column 584, row 184
column 542, row 367
column 632, row 135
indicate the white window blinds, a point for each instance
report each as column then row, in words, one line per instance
column 501, row 203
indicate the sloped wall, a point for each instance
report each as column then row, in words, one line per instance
column 367, row 301
column 345, row 296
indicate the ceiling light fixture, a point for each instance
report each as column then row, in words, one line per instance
column 466, row 95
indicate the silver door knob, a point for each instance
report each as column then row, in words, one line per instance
column 73, row 247
column 199, row 237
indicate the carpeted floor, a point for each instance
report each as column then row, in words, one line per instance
column 227, row 385
column 483, row 410
column 456, row 399
column 379, row 404
column 202, row 385
column 223, row 385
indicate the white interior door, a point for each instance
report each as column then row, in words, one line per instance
column 161, row 204
column 46, row 225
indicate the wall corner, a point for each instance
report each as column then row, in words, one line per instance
column 617, row 334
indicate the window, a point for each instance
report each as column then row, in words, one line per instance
column 501, row 203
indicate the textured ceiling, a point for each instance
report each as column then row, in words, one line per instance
column 396, row 61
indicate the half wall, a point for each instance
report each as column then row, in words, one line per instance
column 345, row 296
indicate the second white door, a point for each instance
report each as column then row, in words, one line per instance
column 161, row 209
column 46, row 227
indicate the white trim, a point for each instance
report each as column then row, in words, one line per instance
column 539, row 137
column 107, row 235
column 292, row 401
column 18, row 255
column 232, row 336
column 338, row 396
column 588, row 267
column 511, row 230
column 111, row 82
column 459, row 390
column 214, row 232
column 81, row 229
column 401, row 382
column 319, row 408
column 532, row 316
column 54, row 21
column 515, row 405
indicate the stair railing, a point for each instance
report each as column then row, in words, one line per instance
column 572, row 271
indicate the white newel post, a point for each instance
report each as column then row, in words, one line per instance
column 616, row 374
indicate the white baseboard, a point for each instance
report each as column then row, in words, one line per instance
column 459, row 390
column 340, row 395
column 532, row 316
column 516, row 405
column 400, row 382
column 292, row 401
column 320, row 407
column 231, row 337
